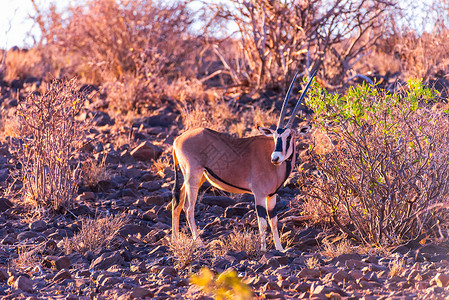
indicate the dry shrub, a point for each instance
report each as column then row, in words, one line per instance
column 185, row 249
column 28, row 256
column 316, row 210
column 312, row 263
column 215, row 113
column 161, row 165
column 423, row 56
column 53, row 138
column 134, row 48
column 396, row 268
column 95, row 233
column 390, row 162
column 21, row 64
column 92, row 172
column 336, row 248
column 311, row 36
column 242, row 240
column 11, row 126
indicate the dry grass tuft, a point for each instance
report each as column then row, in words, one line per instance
column 246, row 240
column 21, row 64
column 161, row 165
column 185, row 249
column 94, row 172
column 95, row 233
column 318, row 212
column 312, row 263
column 396, row 268
column 28, row 257
column 337, row 248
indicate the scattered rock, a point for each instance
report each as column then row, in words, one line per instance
column 24, row 283
column 146, row 151
column 57, row 262
column 5, row 204
column 140, row 292
column 442, row 280
column 38, row 225
column 106, row 260
column 61, row 275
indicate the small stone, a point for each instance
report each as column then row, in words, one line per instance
column 39, row 225
column 57, row 263
column 139, row 268
column 24, row 283
column 140, row 292
column 27, row 235
column 356, row 274
column 86, row 196
column 146, row 151
column 421, row 285
column 341, row 276
column 271, row 286
column 355, row 264
column 3, row 274
column 5, row 204
column 108, row 281
column 309, row 273
column 61, row 275
column 235, row 212
column 168, row 271
column 150, row 185
column 442, row 280
column 106, row 260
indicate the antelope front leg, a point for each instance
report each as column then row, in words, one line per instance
column 272, row 215
column 261, row 211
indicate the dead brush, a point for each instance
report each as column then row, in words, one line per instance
column 51, row 139
column 336, row 248
column 21, row 64
column 184, row 249
column 312, row 263
column 161, row 165
column 95, row 233
column 245, row 240
column 396, row 267
column 94, row 171
column 28, row 257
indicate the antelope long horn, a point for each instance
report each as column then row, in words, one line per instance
column 303, row 95
column 284, row 105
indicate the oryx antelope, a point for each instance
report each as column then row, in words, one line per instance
column 258, row 165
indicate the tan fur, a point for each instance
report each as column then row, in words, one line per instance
column 242, row 165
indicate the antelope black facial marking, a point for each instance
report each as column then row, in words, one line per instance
column 280, row 130
column 278, row 147
column 261, row 211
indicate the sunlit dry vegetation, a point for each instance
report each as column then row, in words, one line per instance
column 162, row 67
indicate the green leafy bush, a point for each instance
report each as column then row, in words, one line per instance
column 389, row 163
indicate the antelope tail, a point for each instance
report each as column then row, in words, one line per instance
column 176, row 187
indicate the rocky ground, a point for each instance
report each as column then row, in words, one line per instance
column 138, row 262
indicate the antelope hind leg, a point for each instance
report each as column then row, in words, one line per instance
column 189, row 205
column 176, row 209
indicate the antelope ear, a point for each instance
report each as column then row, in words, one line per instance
column 304, row 129
column 266, row 131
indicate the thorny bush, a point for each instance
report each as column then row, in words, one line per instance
column 389, row 164
column 51, row 139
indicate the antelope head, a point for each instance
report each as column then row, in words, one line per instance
column 284, row 136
